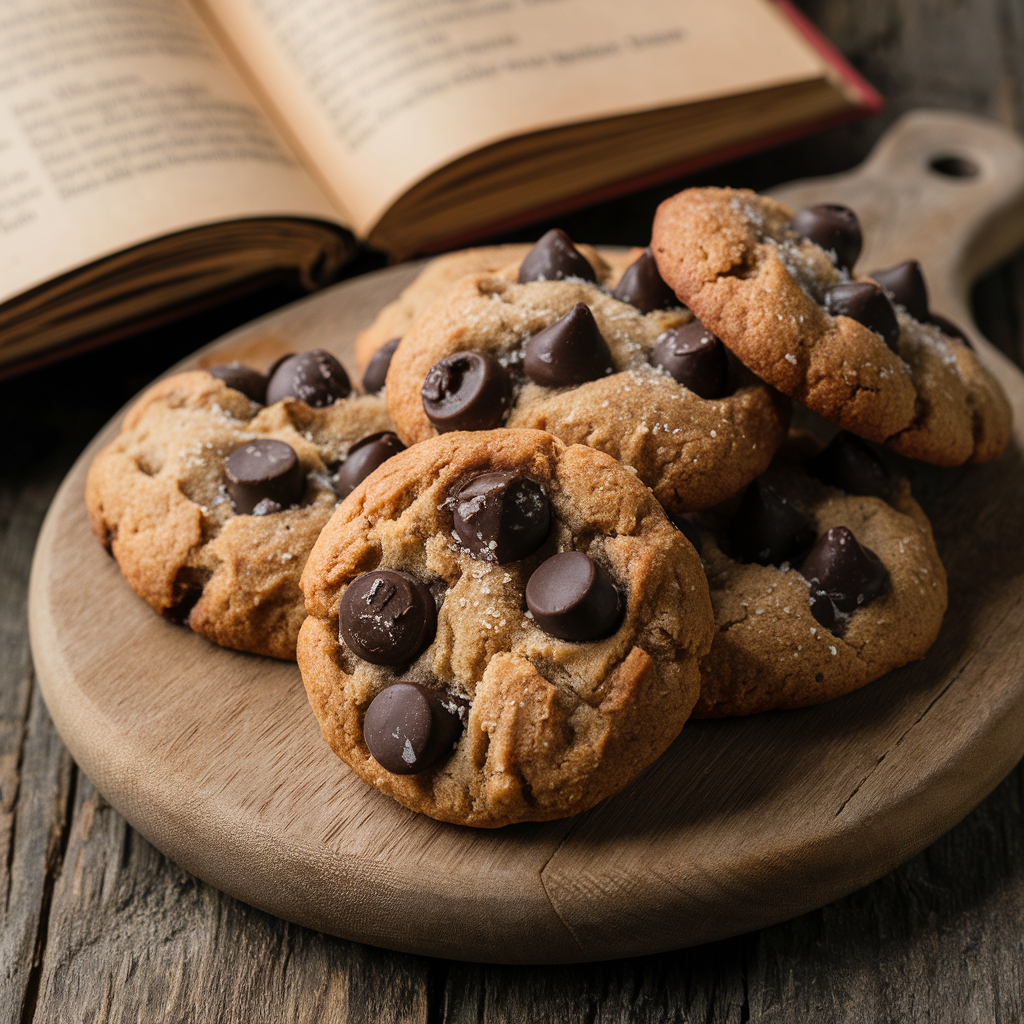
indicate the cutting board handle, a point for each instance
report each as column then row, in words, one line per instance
column 941, row 187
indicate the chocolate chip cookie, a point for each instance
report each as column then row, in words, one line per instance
column 823, row 577
column 375, row 344
column 210, row 500
column 779, row 290
column 502, row 628
column 654, row 390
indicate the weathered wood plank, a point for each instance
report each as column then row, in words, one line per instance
column 704, row 984
column 33, row 820
column 35, row 770
column 940, row 939
column 132, row 937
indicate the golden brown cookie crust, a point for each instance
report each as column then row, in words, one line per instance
column 730, row 255
column 553, row 726
column 156, row 500
column 443, row 271
column 692, row 452
column 769, row 651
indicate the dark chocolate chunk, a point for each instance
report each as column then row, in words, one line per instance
column 867, row 303
column 688, row 530
column 573, row 598
column 377, row 368
column 272, row 368
column 554, row 258
column 250, row 382
column 641, row 286
column 905, row 285
column 363, row 458
column 571, row 351
column 315, row 377
column 501, row 517
column 466, row 391
column 823, row 609
column 387, row 617
column 849, row 464
column 844, row 572
column 408, row 728
column 264, row 471
column 766, row 529
column 695, row 358
column 949, row 328
column 835, row 228
column 189, row 582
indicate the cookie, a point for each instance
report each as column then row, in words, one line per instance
column 793, row 312
column 210, row 501
column 652, row 390
column 441, row 272
column 501, row 628
column 823, row 576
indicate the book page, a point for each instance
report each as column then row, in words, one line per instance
column 120, row 121
column 379, row 93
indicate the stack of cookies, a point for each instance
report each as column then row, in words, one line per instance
column 567, row 512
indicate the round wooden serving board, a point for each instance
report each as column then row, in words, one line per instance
column 216, row 758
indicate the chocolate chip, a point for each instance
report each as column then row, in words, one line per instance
column 501, row 517
column 408, row 728
column 865, row 302
column 573, row 598
column 387, row 617
column 839, row 568
column 694, row 357
column 554, row 258
column 250, row 382
column 264, row 471
column 315, row 377
column 571, row 351
column 641, row 286
column 377, row 368
column 823, row 609
column 766, row 529
column 949, row 328
column 188, row 585
column 466, row 391
column 849, row 464
column 835, row 228
column 905, row 285
column 363, row 458
column 272, row 368
column 688, row 530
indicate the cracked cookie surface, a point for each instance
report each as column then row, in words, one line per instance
column 732, row 256
column 157, row 500
column 691, row 451
column 769, row 651
column 443, row 271
column 552, row 726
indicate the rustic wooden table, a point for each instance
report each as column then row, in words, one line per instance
column 97, row 925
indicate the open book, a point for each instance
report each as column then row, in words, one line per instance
column 156, row 151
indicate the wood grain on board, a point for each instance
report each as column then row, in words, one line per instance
column 215, row 757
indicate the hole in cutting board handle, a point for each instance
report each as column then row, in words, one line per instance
column 951, row 166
